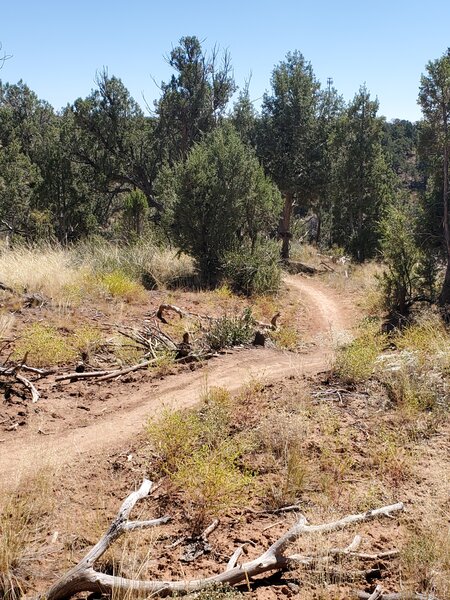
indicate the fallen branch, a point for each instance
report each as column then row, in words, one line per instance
column 397, row 596
column 84, row 578
column 27, row 383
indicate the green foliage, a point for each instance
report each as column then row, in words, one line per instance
column 212, row 481
column 44, row 346
column 175, row 435
column 254, row 271
column 362, row 181
column 223, row 199
column 201, row 456
column 134, row 213
column 356, row 362
column 227, row 332
column 118, row 285
column 401, row 256
column 434, row 98
column 194, row 100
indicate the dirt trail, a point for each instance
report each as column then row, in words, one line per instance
column 326, row 316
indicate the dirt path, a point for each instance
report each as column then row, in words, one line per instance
column 327, row 317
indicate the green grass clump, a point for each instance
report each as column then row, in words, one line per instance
column 227, row 332
column 201, row 456
column 43, row 345
column 120, row 286
column 356, row 362
column 212, row 482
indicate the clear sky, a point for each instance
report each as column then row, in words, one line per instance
column 58, row 46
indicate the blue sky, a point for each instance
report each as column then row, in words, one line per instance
column 58, row 47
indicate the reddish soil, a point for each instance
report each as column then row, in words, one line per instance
column 74, row 420
column 91, row 435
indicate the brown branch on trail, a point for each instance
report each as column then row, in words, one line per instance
column 11, row 374
column 84, row 578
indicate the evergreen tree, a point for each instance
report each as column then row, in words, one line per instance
column 195, row 98
column 288, row 138
column 434, row 97
column 222, row 200
column 362, row 181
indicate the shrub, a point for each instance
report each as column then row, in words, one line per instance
column 175, row 435
column 87, row 340
column 211, row 481
column 218, row 190
column 231, row 331
column 119, row 285
column 44, row 346
column 356, row 362
column 254, row 271
column 400, row 281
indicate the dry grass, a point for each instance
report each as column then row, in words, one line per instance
column 425, row 559
column 66, row 275
column 6, row 325
column 23, row 516
column 44, row 270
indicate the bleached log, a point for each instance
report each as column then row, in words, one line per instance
column 398, row 596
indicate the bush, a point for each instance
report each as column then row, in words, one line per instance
column 44, row 346
column 211, row 481
column 254, row 272
column 227, row 332
column 175, row 435
column 401, row 255
column 356, row 362
column 201, row 457
column 119, row 285
column 219, row 190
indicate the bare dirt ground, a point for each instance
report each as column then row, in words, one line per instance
column 74, row 421
column 93, row 439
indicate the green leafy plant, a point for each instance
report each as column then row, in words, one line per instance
column 231, row 331
column 356, row 361
column 44, row 345
column 254, row 270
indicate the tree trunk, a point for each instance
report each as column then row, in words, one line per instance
column 444, row 297
column 285, row 224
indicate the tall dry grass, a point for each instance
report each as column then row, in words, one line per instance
column 65, row 275
column 46, row 270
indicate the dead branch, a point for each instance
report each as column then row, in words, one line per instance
column 169, row 307
column 11, row 373
column 376, row 594
column 27, row 383
column 84, row 578
column 397, row 596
